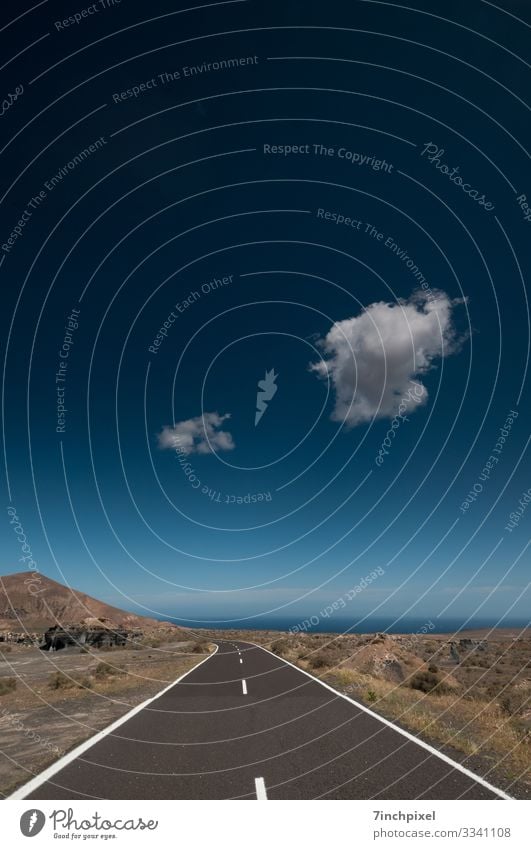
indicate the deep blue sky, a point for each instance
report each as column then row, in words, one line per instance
column 181, row 193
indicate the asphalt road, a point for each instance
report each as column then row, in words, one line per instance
column 245, row 724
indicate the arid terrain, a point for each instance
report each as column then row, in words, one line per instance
column 109, row 661
column 52, row 701
column 468, row 694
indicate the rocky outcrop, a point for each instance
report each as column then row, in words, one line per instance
column 57, row 637
column 386, row 657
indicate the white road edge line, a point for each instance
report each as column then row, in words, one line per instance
column 244, row 686
column 261, row 793
column 56, row 767
column 397, row 728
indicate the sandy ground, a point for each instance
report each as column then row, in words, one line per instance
column 38, row 724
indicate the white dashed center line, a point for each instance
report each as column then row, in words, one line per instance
column 244, row 686
column 259, row 783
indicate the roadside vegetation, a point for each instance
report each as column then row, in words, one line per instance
column 7, row 685
column 474, row 703
column 74, row 693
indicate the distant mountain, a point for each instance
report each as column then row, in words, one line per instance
column 52, row 603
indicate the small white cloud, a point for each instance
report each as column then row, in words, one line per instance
column 201, row 435
column 375, row 359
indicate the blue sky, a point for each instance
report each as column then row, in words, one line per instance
column 184, row 235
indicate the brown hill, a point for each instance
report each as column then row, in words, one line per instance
column 34, row 607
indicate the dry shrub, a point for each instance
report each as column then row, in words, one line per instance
column 201, row 647
column 280, row 646
column 427, row 681
column 323, row 658
column 105, row 670
column 515, row 700
column 344, row 677
column 60, row 681
column 7, row 685
column 151, row 642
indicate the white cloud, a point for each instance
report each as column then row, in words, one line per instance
column 201, row 435
column 374, row 360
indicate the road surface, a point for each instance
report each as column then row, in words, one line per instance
column 245, row 724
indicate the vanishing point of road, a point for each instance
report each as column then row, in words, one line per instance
column 245, row 724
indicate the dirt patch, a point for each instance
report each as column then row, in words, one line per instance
column 39, row 721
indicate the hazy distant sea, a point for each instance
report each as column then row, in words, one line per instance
column 368, row 626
